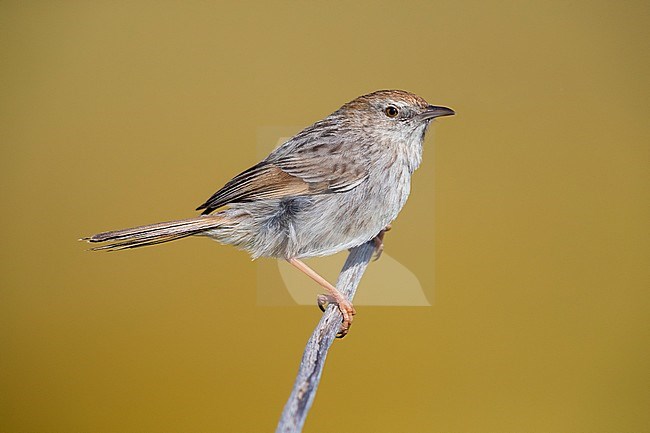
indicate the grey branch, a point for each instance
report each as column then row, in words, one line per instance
column 313, row 358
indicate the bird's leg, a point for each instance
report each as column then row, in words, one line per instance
column 345, row 306
column 379, row 242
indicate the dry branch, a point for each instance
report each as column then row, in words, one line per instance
column 313, row 358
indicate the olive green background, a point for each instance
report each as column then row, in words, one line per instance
column 527, row 226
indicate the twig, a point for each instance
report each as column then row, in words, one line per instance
column 313, row 358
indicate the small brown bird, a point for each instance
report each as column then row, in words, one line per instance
column 335, row 185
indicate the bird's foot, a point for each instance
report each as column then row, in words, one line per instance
column 345, row 307
column 379, row 242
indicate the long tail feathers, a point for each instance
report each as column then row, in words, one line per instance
column 155, row 233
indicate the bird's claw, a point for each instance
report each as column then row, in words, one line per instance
column 345, row 307
column 379, row 243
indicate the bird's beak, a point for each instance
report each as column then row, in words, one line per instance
column 433, row 111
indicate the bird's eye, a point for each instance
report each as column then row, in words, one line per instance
column 391, row 111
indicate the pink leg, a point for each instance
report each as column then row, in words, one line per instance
column 345, row 306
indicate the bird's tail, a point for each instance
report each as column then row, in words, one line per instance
column 155, row 233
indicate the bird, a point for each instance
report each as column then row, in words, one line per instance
column 335, row 185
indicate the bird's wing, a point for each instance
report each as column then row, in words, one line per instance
column 298, row 173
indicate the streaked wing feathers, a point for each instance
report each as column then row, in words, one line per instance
column 290, row 176
column 339, row 175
